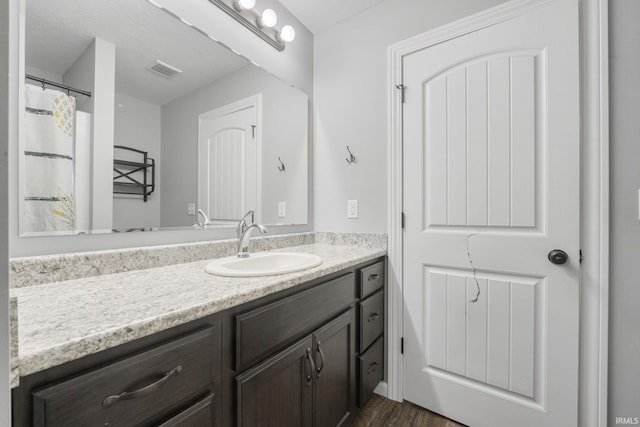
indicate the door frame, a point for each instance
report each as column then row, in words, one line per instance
column 254, row 101
column 594, row 205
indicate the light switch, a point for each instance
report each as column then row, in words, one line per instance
column 352, row 209
column 191, row 208
column 282, row 209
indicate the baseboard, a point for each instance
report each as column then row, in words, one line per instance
column 381, row 389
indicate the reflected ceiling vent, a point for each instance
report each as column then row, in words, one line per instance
column 163, row 69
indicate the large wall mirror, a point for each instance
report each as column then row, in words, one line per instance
column 134, row 120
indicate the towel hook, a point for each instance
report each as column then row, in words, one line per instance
column 351, row 158
column 281, row 168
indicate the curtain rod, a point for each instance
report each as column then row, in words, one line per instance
column 58, row 85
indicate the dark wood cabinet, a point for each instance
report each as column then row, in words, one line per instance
column 371, row 309
column 371, row 370
column 279, row 391
column 311, row 383
column 334, row 395
column 371, row 319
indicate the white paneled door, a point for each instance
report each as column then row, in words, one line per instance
column 491, row 187
column 227, row 175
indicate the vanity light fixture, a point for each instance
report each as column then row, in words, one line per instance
column 286, row 34
column 241, row 5
column 260, row 23
column 268, row 19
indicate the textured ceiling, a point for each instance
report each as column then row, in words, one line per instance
column 57, row 32
column 318, row 15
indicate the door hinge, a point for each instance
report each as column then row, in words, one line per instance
column 402, row 345
column 402, row 219
column 401, row 88
column 581, row 256
column 253, row 131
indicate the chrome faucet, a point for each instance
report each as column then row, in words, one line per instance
column 243, row 241
column 242, row 225
column 205, row 220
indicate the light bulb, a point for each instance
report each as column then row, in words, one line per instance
column 241, row 5
column 287, row 34
column 268, row 19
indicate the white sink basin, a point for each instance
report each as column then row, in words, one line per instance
column 263, row 264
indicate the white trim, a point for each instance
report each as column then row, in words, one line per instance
column 594, row 285
column 381, row 389
column 603, row 242
column 395, row 302
column 594, row 181
column 248, row 102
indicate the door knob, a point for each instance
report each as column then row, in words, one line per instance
column 558, row 256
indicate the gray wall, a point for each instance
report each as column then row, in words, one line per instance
column 137, row 125
column 8, row 132
column 284, row 134
column 624, row 286
column 350, row 89
column 43, row 74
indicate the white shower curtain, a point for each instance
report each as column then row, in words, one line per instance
column 48, row 190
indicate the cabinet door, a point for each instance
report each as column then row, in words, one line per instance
column 334, row 346
column 278, row 392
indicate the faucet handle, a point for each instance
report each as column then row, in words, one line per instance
column 242, row 225
column 205, row 218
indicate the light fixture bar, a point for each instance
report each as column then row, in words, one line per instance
column 248, row 18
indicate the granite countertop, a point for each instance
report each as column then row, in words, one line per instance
column 63, row 321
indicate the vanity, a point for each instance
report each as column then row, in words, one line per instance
column 175, row 346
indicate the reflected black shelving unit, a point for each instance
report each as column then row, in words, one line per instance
column 131, row 177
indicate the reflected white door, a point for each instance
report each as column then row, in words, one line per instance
column 491, row 186
column 227, row 175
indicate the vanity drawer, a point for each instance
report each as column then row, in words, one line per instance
column 198, row 415
column 371, row 319
column 371, row 279
column 138, row 390
column 263, row 331
column 371, row 366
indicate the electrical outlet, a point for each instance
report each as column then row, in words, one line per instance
column 282, row 209
column 352, row 209
column 191, row 208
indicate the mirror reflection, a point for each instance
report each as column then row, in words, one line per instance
column 135, row 121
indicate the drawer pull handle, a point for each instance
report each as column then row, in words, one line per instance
column 321, row 367
column 142, row 392
column 373, row 367
column 373, row 316
column 313, row 366
column 373, row 277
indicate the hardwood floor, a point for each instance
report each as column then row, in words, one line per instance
column 384, row 412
